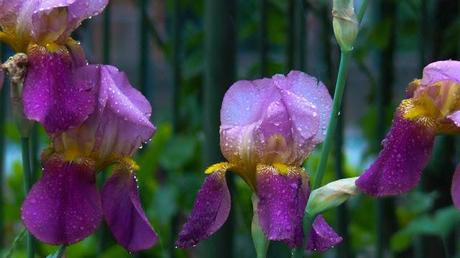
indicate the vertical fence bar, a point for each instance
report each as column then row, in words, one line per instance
column 176, row 59
column 3, row 100
column 385, row 208
column 219, row 45
column 263, row 37
column 106, row 50
column 144, row 51
column 290, row 37
column 176, row 63
column 300, row 50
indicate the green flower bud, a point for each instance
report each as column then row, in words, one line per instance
column 345, row 23
column 331, row 195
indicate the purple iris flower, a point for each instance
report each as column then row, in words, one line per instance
column 268, row 128
column 432, row 108
column 94, row 117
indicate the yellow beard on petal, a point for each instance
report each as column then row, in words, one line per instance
column 431, row 105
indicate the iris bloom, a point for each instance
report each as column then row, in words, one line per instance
column 268, row 127
column 432, row 107
column 94, row 117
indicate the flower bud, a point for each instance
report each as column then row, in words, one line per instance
column 345, row 23
column 331, row 195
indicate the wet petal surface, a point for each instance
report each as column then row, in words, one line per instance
column 281, row 205
column 209, row 213
column 64, row 206
column 322, row 236
column 54, row 94
column 124, row 214
column 406, row 151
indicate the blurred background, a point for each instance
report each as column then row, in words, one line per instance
column 184, row 54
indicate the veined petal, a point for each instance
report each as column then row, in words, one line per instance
column 53, row 21
column 124, row 214
column 441, row 71
column 120, row 123
column 273, row 120
column 455, row 190
column 313, row 91
column 210, row 211
column 64, row 206
column 406, row 151
column 322, row 236
column 54, row 94
column 282, row 200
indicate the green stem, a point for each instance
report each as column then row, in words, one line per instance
column 25, row 146
column 61, row 251
column 15, row 243
column 336, row 105
column 3, row 115
column 337, row 102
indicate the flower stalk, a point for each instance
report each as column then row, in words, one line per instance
column 28, row 181
column 16, row 67
column 345, row 55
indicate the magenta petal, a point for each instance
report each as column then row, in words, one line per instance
column 53, row 94
column 209, row 213
column 124, row 214
column 406, row 151
column 455, row 190
column 322, row 236
column 282, row 201
column 64, row 206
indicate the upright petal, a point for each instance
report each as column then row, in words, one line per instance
column 120, row 123
column 282, row 201
column 210, row 211
column 322, row 236
column 54, row 94
column 406, row 151
column 441, row 71
column 313, row 91
column 54, row 20
column 64, row 206
column 455, row 190
column 124, row 214
column 273, row 120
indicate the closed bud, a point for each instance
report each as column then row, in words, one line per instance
column 331, row 195
column 345, row 23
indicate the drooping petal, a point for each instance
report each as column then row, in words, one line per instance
column 406, row 151
column 124, row 214
column 441, row 71
column 282, row 201
column 209, row 213
column 64, row 206
column 455, row 190
column 54, row 94
column 322, row 236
